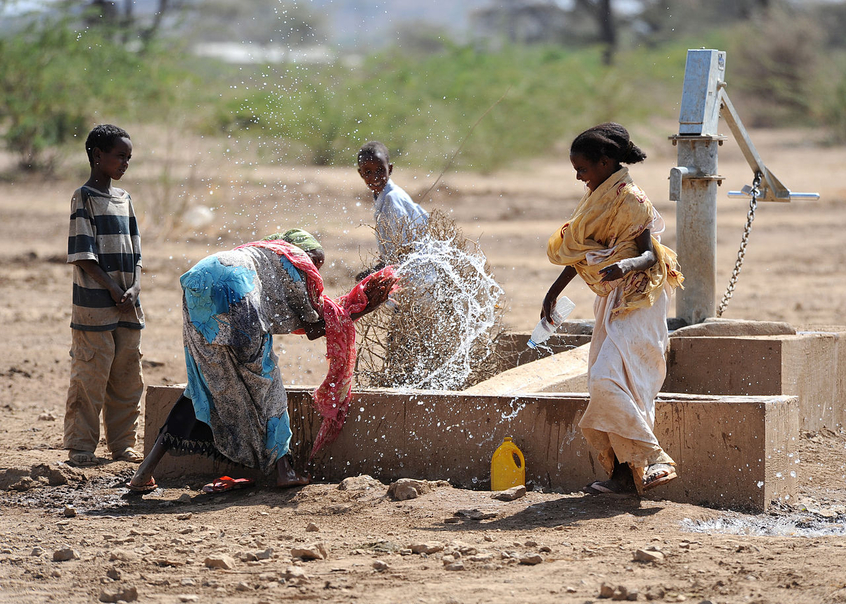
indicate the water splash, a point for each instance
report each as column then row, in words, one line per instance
column 444, row 322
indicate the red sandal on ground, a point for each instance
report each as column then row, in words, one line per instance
column 226, row 483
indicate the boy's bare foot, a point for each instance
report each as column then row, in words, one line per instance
column 286, row 476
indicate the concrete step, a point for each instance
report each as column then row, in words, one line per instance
column 734, row 452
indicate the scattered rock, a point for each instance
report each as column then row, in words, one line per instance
column 310, row 552
column 122, row 593
column 184, row 498
column 37, row 551
column 408, row 488
column 380, row 565
column 531, row 559
column 220, row 561
column 457, row 565
column 188, row 598
column 114, row 574
column 360, row 483
column 475, row 514
column 429, row 547
column 452, row 520
column 185, row 516
column 47, row 416
column 296, row 575
column 511, row 494
column 647, row 555
column 243, row 586
column 122, row 555
column 264, row 554
column 69, row 511
column 605, row 591
column 64, row 554
column 483, row 557
column 312, row 528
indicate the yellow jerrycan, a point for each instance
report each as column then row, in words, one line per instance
column 508, row 468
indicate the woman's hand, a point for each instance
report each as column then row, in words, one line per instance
column 377, row 289
column 315, row 330
column 615, row 271
column 555, row 290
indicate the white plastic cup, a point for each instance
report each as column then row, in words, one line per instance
column 544, row 328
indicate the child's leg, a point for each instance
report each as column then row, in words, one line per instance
column 91, row 353
column 123, row 392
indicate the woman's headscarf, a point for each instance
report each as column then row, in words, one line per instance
column 302, row 239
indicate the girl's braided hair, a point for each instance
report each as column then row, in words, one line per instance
column 609, row 140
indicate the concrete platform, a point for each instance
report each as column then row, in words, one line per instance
column 564, row 371
column 809, row 365
column 732, row 452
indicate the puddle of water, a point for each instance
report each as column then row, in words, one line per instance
column 793, row 524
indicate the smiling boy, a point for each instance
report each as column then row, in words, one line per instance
column 397, row 216
column 104, row 247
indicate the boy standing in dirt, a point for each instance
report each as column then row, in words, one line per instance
column 104, row 247
column 397, row 216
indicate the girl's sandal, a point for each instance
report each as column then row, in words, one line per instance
column 657, row 474
column 608, row 487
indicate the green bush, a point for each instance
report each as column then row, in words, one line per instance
column 423, row 108
column 56, row 81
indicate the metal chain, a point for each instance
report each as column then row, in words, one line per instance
column 741, row 253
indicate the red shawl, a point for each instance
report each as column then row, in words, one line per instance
column 332, row 397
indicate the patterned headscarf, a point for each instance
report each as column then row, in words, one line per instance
column 302, row 239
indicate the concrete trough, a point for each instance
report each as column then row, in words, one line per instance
column 734, row 452
column 809, row 365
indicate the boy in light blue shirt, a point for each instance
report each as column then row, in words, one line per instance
column 398, row 217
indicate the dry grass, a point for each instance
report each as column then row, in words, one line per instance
column 441, row 331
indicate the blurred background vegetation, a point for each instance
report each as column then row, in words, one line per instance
column 310, row 81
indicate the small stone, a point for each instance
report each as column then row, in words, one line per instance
column 645, row 555
column 475, row 514
column 295, row 574
column 310, row 552
column 243, row 586
column 408, row 488
column 264, row 554
column 185, row 516
column 122, row 555
column 47, row 416
column 488, row 538
column 457, row 565
column 605, row 591
column 531, row 559
column 188, row 598
column 530, row 543
column 429, row 547
column 312, row 528
column 69, row 511
column 114, row 574
column 380, row 565
column 483, row 557
column 37, row 551
column 117, row 594
column 452, row 520
column 511, row 494
column 184, row 498
column 220, row 561
column 570, row 589
column 188, row 582
column 360, row 483
column 64, row 554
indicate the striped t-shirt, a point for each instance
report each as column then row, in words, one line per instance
column 103, row 228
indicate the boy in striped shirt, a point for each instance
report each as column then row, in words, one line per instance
column 104, row 248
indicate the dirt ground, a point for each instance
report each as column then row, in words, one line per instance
column 544, row 547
